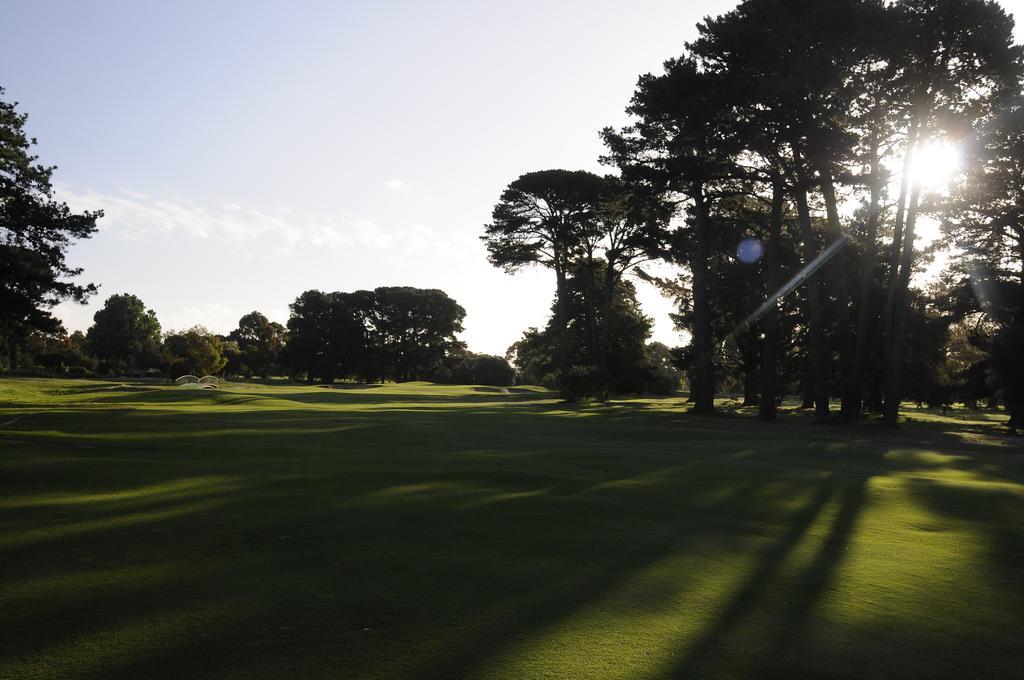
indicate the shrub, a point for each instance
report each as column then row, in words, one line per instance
column 663, row 382
column 476, row 369
column 487, row 369
column 583, row 381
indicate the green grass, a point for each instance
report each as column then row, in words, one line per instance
column 426, row 531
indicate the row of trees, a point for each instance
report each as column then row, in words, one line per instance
column 389, row 333
column 125, row 338
column 395, row 333
column 797, row 123
column 400, row 333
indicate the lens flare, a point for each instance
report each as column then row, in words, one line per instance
column 749, row 250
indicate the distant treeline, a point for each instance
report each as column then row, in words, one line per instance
column 391, row 333
column 386, row 334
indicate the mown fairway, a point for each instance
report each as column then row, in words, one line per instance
column 421, row 531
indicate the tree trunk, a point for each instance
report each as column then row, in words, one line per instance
column 840, row 287
column 750, row 385
column 864, row 307
column 591, row 307
column 815, row 350
column 808, row 395
column 897, row 242
column 606, row 318
column 562, row 321
column 899, row 315
column 770, row 324
column 703, row 383
column 12, row 354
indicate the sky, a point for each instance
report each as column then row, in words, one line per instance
column 244, row 152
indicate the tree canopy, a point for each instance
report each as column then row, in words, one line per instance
column 124, row 331
column 259, row 341
column 35, row 232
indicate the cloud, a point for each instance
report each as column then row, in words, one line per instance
column 133, row 216
column 130, row 215
column 395, row 184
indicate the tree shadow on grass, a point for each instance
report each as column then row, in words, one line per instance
column 817, row 576
column 713, row 642
column 68, row 580
column 998, row 513
column 787, row 650
column 573, row 592
column 848, row 489
column 202, row 648
column 420, row 519
column 491, row 555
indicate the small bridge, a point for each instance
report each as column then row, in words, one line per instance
column 207, row 382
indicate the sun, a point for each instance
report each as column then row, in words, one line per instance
column 935, row 164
